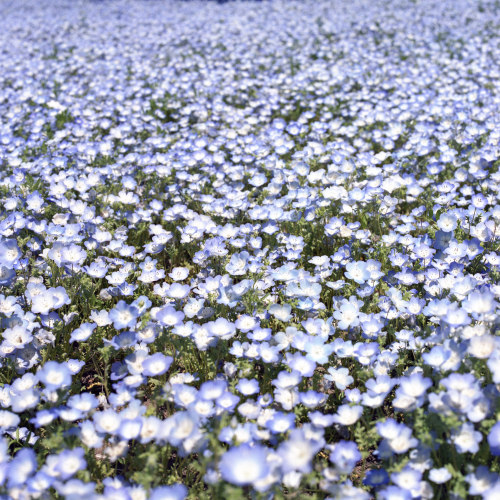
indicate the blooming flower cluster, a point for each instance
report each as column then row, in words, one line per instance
column 250, row 249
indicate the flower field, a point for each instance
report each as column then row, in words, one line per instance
column 250, row 250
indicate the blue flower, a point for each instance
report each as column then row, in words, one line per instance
column 244, row 464
column 54, row 375
column 344, row 456
column 156, row 364
column 494, row 439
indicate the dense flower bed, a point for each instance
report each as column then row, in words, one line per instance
column 250, row 250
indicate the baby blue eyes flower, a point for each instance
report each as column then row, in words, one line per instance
column 439, row 476
column 69, row 462
column 281, row 312
column 466, row 439
column 9, row 253
column 348, row 415
column 297, row 450
column 44, row 300
column 123, row 315
column 494, row 439
column 222, row 328
column 348, row 313
column 247, row 387
column 340, row 377
column 357, row 271
column 54, row 375
column 344, row 456
column 169, row 316
column 82, row 333
column 397, row 436
column 156, row 364
column 107, row 421
column 243, row 465
column 376, row 477
column 179, row 273
column 130, row 428
column 178, row 291
column 447, row 222
column 197, row 247
column 22, row 466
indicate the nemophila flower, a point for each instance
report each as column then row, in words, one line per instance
column 280, row 422
column 22, row 466
column 178, row 291
column 301, row 364
column 297, row 451
column 357, row 271
column 60, row 297
column 238, row 263
column 340, row 377
column 312, row 399
column 221, row 328
column 94, row 172
column 40, row 482
column 227, row 401
column 84, row 402
column 348, row 415
column 8, row 419
column 247, row 387
column 9, row 253
column 482, row 481
column 123, row 315
column 69, row 462
column 24, row 400
column 244, row 464
column 281, row 312
column 456, row 316
column 17, row 336
column 179, row 273
column 96, row 270
column 466, row 439
column 371, row 326
column 74, row 487
column 347, row 314
column 117, row 278
column 156, row 364
column 439, row 476
column 106, row 421
column 54, row 375
column 408, row 479
column 414, row 385
column 8, row 305
column 397, row 436
column 344, row 456
column 182, row 430
column 43, row 302
column 142, row 303
column 482, row 346
column 437, row 356
column 494, row 439
column 130, row 428
column 82, row 333
column 43, row 418
column 376, row 477
column 169, row 316
column 480, row 302
column 101, row 318
column 73, row 255
column 317, row 350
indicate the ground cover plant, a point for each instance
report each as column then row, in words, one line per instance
column 250, row 250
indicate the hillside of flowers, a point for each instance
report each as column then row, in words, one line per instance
column 250, row 250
